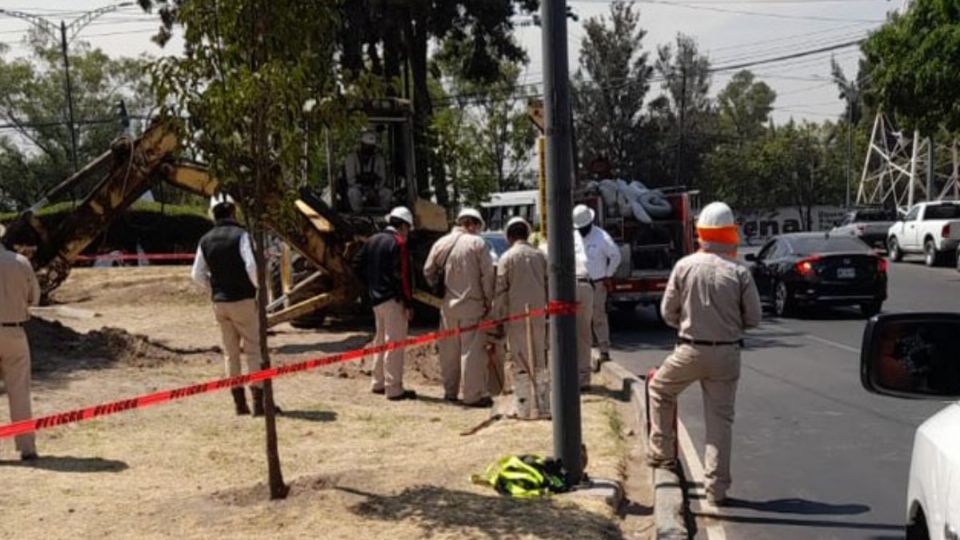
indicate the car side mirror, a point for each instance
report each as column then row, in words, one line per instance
column 750, row 257
column 912, row 355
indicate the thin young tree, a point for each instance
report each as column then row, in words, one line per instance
column 249, row 87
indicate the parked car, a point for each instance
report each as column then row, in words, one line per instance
column 930, row 228
column 809, row 269
column 917, row 355
column 496, row 243
column 867, row 224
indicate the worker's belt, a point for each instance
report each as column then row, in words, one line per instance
column 687, row 341
column 12, row 325
column 590, row 281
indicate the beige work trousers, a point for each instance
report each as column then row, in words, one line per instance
column 463, row 358
column 15, row 365
column 240, row 331
column 584, row 330
column 718, row 370
column 391, row 323
column 601, row 327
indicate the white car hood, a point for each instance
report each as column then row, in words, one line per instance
column 935, row 472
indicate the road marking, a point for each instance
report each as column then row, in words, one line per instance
column 812, row 337
column 714, row 529
column 840, row 346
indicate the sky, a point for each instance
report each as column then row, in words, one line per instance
column 728, row 31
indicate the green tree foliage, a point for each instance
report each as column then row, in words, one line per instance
column 254, row 78
column 915, row 66
column 609, row 89
column 744, row 107
column 381, row 37
column 35, row 151
column 484, row 137
column 793, row 165
column 682, row 119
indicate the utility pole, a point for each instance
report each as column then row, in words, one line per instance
column 71, row 126
column 683, row 115
column 849, row 151
column 567, row 434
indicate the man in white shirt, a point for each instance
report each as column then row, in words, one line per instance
column 603, row 259
column 225, row 266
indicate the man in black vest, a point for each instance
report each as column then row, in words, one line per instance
column 384, row 265
column 225, row 265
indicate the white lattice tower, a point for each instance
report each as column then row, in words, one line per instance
column 897, row 169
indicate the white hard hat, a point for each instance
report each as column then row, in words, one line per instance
column 403, row 214
column 582, row 216
column 368, row 137
column 717, row 229
column 221, row 198
column 716, row 214
column 471, row 213
column 517, row 220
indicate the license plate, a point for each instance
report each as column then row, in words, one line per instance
column 846, row 273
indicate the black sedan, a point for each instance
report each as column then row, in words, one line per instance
column 809, row 269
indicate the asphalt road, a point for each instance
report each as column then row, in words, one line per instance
column 815, row 455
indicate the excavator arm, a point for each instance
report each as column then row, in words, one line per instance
column 132, row 167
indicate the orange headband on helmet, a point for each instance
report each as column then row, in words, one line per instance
column 729, row 235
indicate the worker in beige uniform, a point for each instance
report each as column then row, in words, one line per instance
column 522, row 286
column 18, row 291
column 461, row 261
column 710, row 299
column 584, row 295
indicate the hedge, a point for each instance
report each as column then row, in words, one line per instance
column 155, row 227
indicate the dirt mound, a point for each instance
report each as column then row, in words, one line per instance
column 257, row 494
column 421, row 364
column 56, row 347
column 129, row 286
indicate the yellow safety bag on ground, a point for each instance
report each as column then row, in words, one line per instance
column 525, row 476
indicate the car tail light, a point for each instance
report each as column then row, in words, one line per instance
column 882, row 265
column 945, row 231
column 805, row 266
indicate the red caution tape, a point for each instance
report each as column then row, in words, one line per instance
column 140, row 402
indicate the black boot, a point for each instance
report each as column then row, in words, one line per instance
column 258, row 409
column 240, row 401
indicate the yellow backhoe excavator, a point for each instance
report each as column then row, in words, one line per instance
column 320, row 233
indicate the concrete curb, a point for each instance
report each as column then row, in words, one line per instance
column 668, row 508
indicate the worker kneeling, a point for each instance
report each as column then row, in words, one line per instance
column 521, row 287
column 710, row 299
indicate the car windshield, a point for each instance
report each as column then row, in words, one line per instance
column 497, row 243
column 942, row 211
column 825, row 244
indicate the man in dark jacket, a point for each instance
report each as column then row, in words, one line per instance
column 225, row 265
column 384, row 264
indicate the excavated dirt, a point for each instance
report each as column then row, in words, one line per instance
column 55, row 347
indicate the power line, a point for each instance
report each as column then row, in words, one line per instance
column 700, row 6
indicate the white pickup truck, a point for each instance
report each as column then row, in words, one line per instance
column 929, row 228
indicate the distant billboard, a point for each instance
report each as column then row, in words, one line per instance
column 758, row 226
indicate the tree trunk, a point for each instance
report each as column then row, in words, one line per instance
column 261, row 175
column 417, row 40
